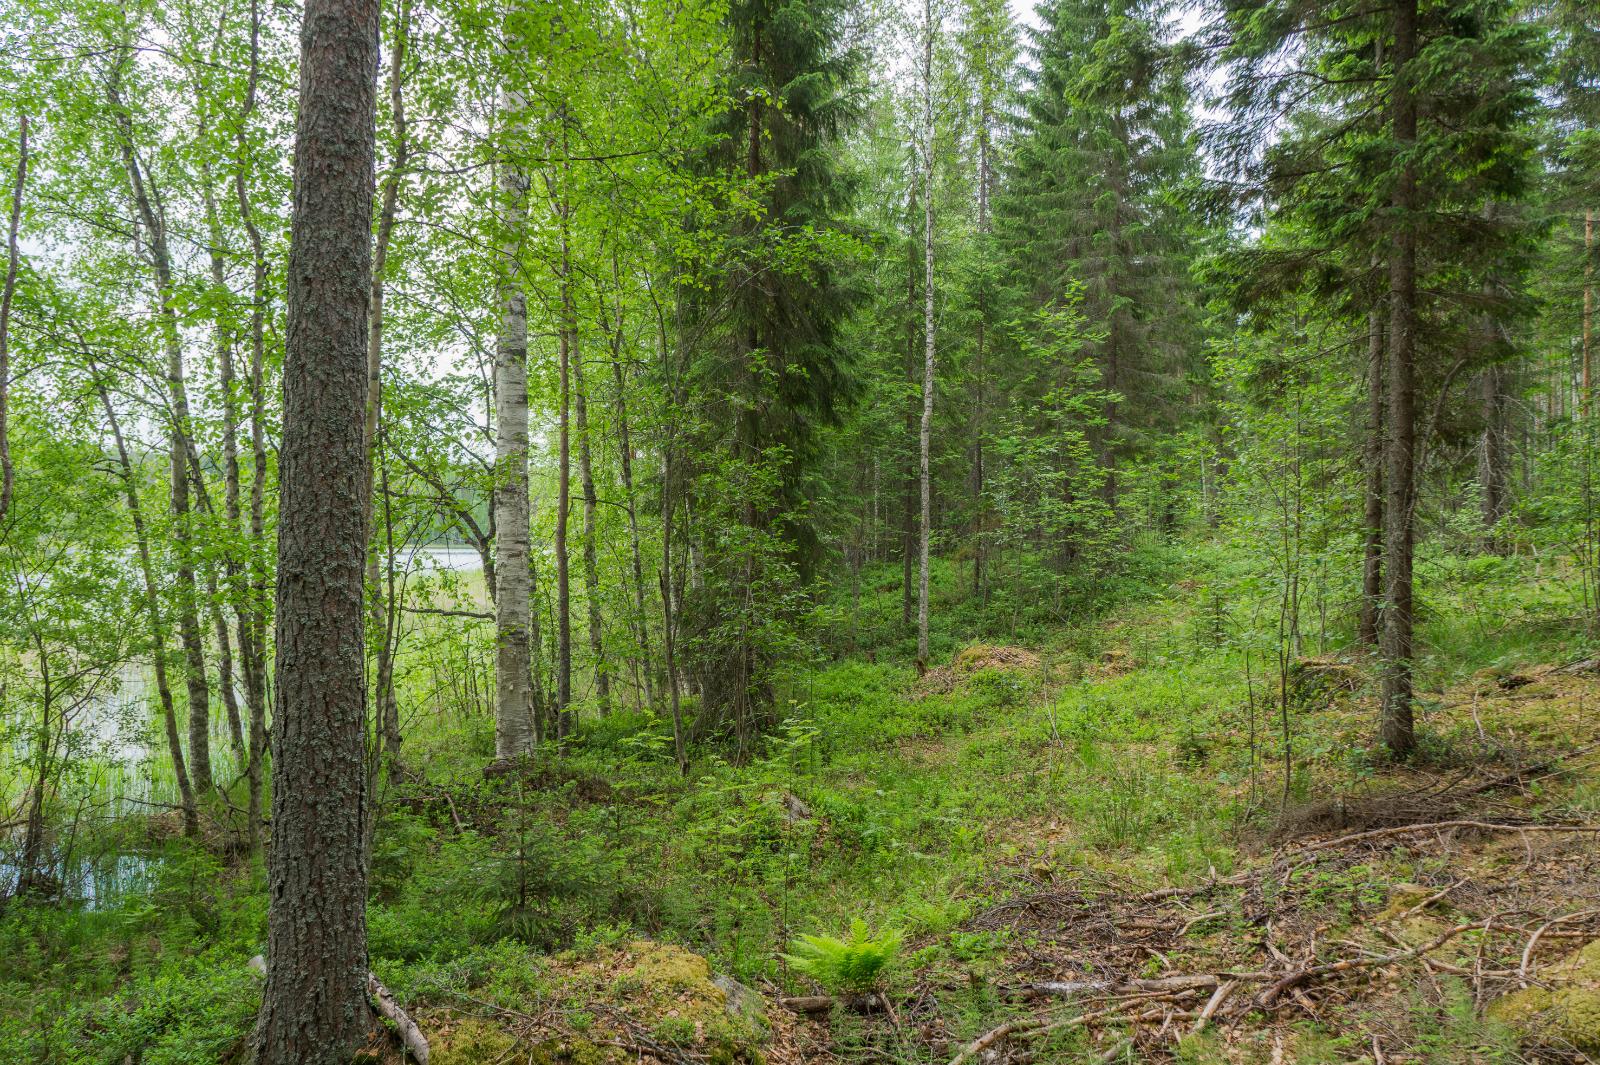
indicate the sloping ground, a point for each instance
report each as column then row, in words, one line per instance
column 1439, row 913
column 1442, row 912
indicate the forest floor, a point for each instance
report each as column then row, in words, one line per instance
column 1437, row 913
column 1094, row 853
column 1082, row 828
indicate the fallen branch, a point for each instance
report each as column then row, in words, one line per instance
column 1182, row 982
column 1519, row 776
column 1436, row 826
column 1527, row 952
column 1218, row 997
column 411, row 1036
column 1268, row 998
column 995, row 1035
column 475, row 615
column 1429, row 901
column 810, row 1004
column 1191, row 922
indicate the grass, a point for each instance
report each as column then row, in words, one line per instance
column 1146, row 745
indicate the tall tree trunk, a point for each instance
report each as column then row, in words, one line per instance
column 908, row 531
column 252, row 608
column 1372, row 515
column 635, row 546
column 1397, row 726
column 925, row 436
column 179, row 434
column 388, row 708
column 980, row 376
column 1588, row 303
column 30, row 871
column 154, row 620
column 227, row 385
column 564, row 469
column 591, row 566
column 515, row 730
column 1494, row 475
column 668, row 628
column 314, row 1005
column 7, row 292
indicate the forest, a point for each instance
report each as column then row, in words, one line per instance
column 723, row 532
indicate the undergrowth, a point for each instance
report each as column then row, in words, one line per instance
column 1147, row 745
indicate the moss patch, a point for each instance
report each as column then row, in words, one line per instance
column 1567, row 1011
column 604, row 1006
column 469, row 1042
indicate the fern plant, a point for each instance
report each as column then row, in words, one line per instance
column 855, row 965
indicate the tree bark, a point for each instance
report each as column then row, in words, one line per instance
column 227, row 386
column 908, row 532
column 29, row 872
column 669, row 645
column 1372, row 516
column 1395, row 647
column 1588, row 303
column 314, row 1007
column 980, row 376
column 1494, row 452
column 515, row 729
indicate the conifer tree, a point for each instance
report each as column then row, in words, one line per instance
column 774, row 370
column 1103, row 149
column 1406, row 125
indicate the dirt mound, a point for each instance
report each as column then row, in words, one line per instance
column 975, row 659
column 1324, row 676
column 986, row 656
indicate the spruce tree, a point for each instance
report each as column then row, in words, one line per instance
column 1104, row 149
column 772, row 369
column 1398, row 144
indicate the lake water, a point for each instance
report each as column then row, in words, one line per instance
column 124, row 768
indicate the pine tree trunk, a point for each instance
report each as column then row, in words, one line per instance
column 1494, row 474
column 1588, row 304
column 980, row 382
column 668, row 628
column 1372, row 516
column 515, row 728
column 925, row 436
column 314, row 1007
column 1395, row 647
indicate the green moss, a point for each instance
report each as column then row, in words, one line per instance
column 1566, row 1011
column 1403, row 897
column 470, row 1042
column 662, row 989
